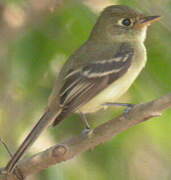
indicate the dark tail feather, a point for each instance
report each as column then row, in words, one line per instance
column 59, row 118
column 44, row 121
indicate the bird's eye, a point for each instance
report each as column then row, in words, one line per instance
column 126, row 22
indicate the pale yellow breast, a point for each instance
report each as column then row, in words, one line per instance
column 119, row 87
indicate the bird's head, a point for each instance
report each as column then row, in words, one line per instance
column 122, row 23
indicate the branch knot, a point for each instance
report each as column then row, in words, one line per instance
column 59, row 150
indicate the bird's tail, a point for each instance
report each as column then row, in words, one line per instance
column 47, row 119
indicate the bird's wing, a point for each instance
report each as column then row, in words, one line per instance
column 83, row 84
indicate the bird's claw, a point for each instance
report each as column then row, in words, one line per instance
column 129, row 108
column 87, row 132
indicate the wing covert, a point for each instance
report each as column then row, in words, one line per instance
column 83, row 84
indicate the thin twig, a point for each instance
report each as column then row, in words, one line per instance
column 6, row 147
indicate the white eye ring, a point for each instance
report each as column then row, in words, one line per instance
column 126, row 22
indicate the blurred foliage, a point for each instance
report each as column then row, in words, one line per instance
column 30, row 63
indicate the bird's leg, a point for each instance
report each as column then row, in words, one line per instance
column 87, row 129
column 85, row 121
column 127, row 105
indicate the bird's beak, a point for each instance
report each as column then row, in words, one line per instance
column 146, row 21
column 149, row 20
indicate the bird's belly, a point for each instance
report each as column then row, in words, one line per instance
column 113, row 91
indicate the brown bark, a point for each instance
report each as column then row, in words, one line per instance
column 83, row 142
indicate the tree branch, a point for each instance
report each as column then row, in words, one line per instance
column 83, row 142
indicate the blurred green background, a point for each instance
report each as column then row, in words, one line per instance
column 36, row 38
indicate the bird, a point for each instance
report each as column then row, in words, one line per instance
column 99, row 71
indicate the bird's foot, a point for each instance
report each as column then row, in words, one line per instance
column 87, row 132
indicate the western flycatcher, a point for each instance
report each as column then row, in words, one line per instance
column 100, row 71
